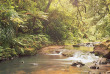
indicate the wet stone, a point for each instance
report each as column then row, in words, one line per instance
column 94, row 67
column 78, row 64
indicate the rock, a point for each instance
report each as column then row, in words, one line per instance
column 22, row 61
column 74, row 64
column 103, row 49
column 92, row 52
column 103, row 61
column 82, row 44
column 68, row 53
column 108, row 61
column 94, row 66
column 57, row 51
column 12, row 58
column 76, row 46
column 107, row 55
column 108, row 41
column 89, row 44
column 108, row 72
column 77, row 64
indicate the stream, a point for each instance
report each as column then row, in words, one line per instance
column 49, row 64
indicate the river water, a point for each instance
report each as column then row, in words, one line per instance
column 42, row 64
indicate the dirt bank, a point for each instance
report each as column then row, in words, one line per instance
column 50, row 49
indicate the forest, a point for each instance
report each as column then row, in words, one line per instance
column 28, row 25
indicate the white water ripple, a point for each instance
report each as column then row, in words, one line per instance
column 81, row 57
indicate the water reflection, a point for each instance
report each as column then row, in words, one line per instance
column 48, row 64
column 33, row 63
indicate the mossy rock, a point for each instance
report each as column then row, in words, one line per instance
column 103, row 49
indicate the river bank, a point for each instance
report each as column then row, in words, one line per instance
column 50, row 49
column 87, row 56
column 24, row 45
column 51, row 61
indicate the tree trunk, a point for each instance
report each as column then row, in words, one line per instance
column 49, row 3
column 34, row 20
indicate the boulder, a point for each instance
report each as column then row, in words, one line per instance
column 94, row 67
column 68, row 53
column 77, row 64
column 76, row 46
column 103, row 49
column 57, row 51
column 82, row 44
column 103, row 61
column 108, row 61
column 89, row 44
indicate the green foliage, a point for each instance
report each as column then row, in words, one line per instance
column 8, row 25
column 1, row 50
column 7, row 53
column 104, row 27
column 27, row 25
column 29, row 44
column 6, row 36
column 19, row 50
column 41, row 4
column 58, row 29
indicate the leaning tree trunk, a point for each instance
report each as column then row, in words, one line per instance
column 49, row 3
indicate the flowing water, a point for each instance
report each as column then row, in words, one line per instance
column 83, row 57
column 47, row 64
column 31, row 64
